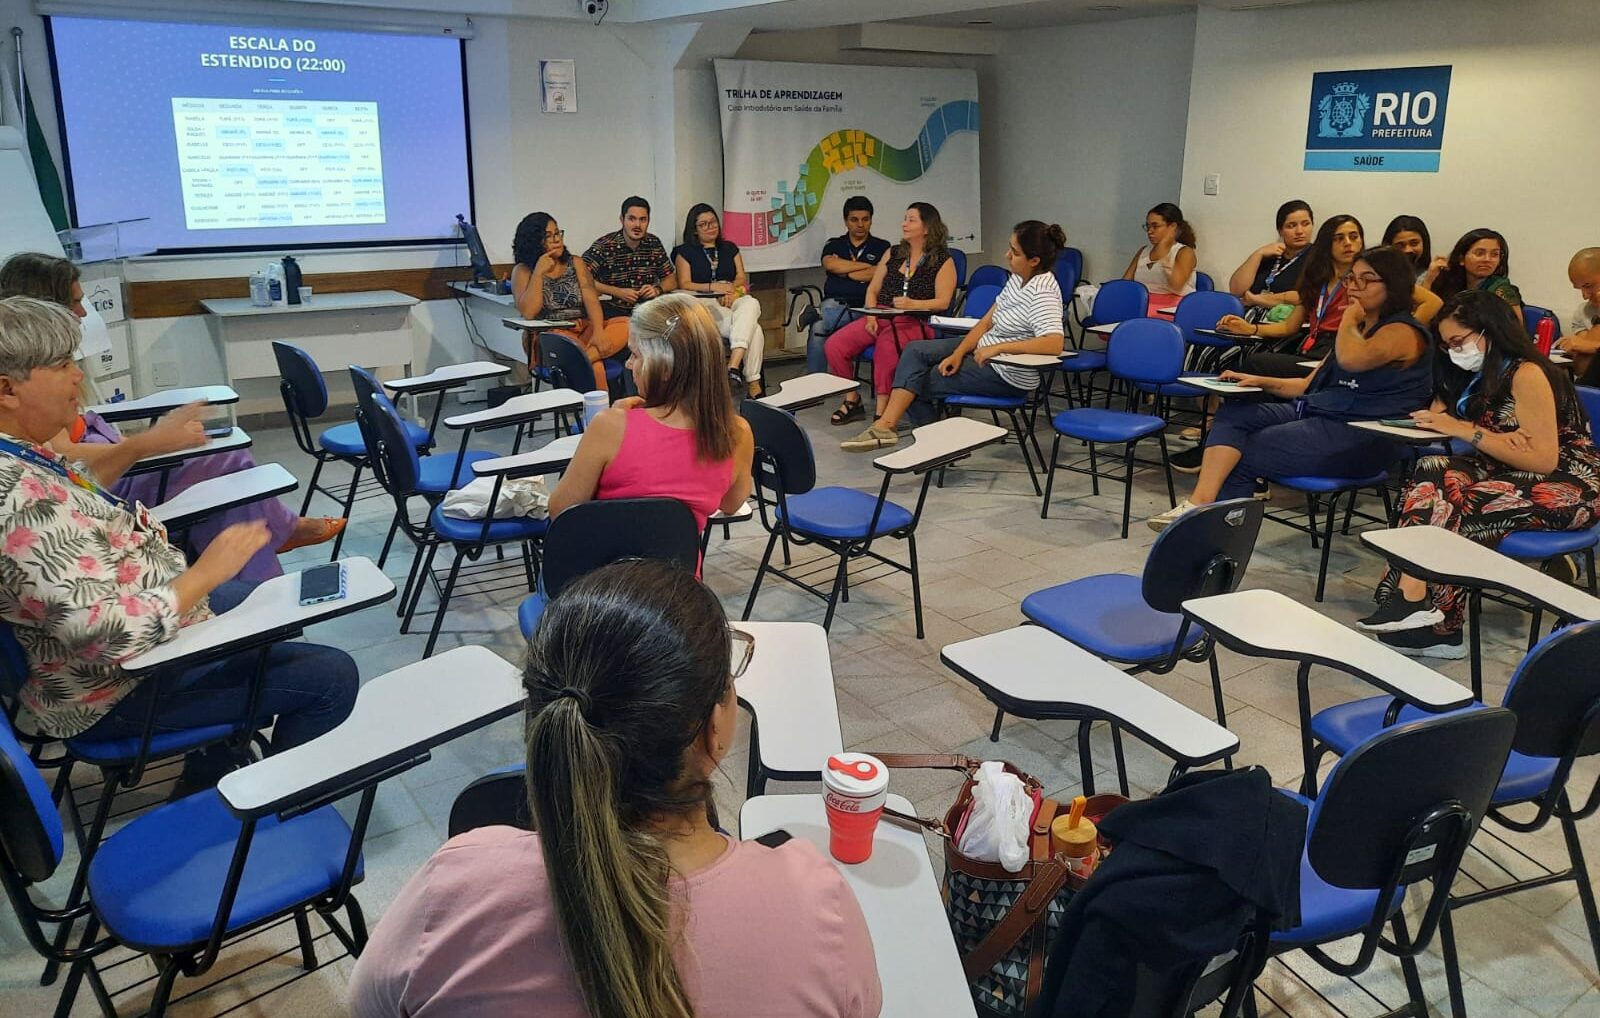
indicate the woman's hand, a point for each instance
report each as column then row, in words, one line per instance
column 721, row 286
column 1241, row 378
column 543, row 266
column 904, row 303
column 727, row 299
column 230, row 550
column 628, row 403
column 1443, row 423
column 1355, row 316
column 872, row 325
column 179, row 430
column 950, row 365
column 1235, row 325
column 1438, row 265
column 1272, row 250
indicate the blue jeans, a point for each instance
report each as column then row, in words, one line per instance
column 310, row 689
column 1274, row 443
column 833, row 313
column 918, row 374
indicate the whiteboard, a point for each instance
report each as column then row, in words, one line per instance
column 24, row 224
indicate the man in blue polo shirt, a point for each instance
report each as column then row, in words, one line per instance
column 850, row 260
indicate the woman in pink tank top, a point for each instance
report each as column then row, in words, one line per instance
column 679, row 438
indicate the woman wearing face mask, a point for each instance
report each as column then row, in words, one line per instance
column 1409, row 236
column 1533, row 464
column 1165, row 265
column 1479, row 261
column 1269, row 276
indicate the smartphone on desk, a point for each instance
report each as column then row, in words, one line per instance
column 220, row 431
column 322, row 583
column 1400, row 422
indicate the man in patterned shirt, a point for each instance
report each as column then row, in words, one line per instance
column 631, row 265
column 88, row 581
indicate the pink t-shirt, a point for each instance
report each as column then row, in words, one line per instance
column 658, row 461
column 774, row 932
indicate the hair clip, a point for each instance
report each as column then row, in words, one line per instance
column 671, row 324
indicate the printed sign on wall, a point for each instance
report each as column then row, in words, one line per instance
column 1389, row 120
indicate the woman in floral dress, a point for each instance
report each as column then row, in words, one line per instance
column 1533, row 464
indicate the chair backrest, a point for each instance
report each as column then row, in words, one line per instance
column 1204, row 283
column 1361, row 825
column 393, row 457
column 960, row 258
column 566, row 362
column 1068, row 271
column 1120, row 300
column 30, row 825
column 1145, row 350
column 305, row 394
column 980, row 299
column 1590, row 398
column 498, row 799
column 367, row 387
column 596, row 533
column 986, row 275
column 1532, row 314
column 1203, row 309
column 1202, row 553
column 13, row 663
column 784, row 461
column 1555, row 694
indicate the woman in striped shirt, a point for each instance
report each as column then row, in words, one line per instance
column 1025, row 318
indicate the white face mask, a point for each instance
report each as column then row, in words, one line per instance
column 1467, row 358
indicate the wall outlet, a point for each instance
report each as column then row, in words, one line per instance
column 165, row 373
column 1213, row 183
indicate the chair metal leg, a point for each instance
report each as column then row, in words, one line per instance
column 1311, row 517
column 1022, row 443
column 444, row 603
column 916, row 582
column 761, row 570
column 1166, row 468
column 1050, row 476
column 1327, row 543
column 1588, row 563
column 1122, row 765
column 1452, row 964
column 1580, row 871
column 425, row 570
column 1085, row 758
column 838, row 585
column 109, row 779
column 1127, row 487
column 1417, row 1001
column 999, row 716
column 311, row 488
column 308, row 948
column 163, row 992
column 349, row 504
column 1094, row 470
column 388, row 542
column 1534, row 626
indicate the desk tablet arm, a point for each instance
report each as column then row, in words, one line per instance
column 547, row 460
column 267, row 480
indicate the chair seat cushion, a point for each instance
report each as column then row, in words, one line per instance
column 1097, row 424
column 529, row 612
column 1107, row 615
column 1328, row 912
column 870, row 353
column 156, row 883
column 438, row 474
column 346, row 440
column 1536, row 545
column 1086, row 360
column 978, row 402
column 842, row 513
column 1347, row 725
column 107, row 752
column 1326, row 485
column 459, row 531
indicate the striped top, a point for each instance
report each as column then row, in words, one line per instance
column 1024, row 311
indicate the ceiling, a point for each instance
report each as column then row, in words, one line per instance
column 1042, row 13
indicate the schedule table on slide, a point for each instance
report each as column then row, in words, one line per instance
column 278, row 162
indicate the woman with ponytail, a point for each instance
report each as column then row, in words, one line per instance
column 1167, row 264
column 1026, row 317
column 628, row 902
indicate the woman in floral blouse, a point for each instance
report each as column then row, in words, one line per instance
column 88, row 580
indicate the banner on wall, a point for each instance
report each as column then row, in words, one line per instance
column 798, row 139
column 1388, row 120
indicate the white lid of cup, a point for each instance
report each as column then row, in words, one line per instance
column 596, row 396
column 855, row 774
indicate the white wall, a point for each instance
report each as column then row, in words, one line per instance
column 1520, row 141
column 1084, row 126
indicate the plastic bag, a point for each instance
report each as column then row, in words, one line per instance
column 996, row 827
column 1084, row 297
column 522, row 496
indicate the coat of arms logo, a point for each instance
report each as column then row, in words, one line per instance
column 1343, row 111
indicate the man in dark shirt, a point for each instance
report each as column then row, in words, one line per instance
column 631, row 265
column 850, row 260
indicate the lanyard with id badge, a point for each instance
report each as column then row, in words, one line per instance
column 142, row 518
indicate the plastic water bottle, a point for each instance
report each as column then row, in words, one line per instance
column 260, row 290
column 275, row 282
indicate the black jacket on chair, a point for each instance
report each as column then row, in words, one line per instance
column 1190, row 868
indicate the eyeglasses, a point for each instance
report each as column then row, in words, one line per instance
column 741, row 648
column 1152, row 227
column 1362, row 281
column 1460, row 341
column 554, row 234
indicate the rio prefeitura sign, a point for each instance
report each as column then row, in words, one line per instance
column 1387, row 120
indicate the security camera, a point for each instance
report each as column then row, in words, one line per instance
column 595, row 9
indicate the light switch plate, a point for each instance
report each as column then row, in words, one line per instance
column 1213, row 183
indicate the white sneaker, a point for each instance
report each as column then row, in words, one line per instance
column 1168, row 518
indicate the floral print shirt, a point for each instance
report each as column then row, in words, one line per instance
column 85, row 583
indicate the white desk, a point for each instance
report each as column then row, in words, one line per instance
column 1033, row 360
column 808, row 390
column 918, row 963
column 790, row 684
column 215, row 494
column 746, row 511
column 518, row 410
column 272, row 608
column 1309, row 364
column 1031, row 672
column 451, row 376
column 939, row 444
column 951, row 323
column 1218, row 386
column 1232, row 337
column 1168, row 312
column 547, row 459
column 370, row 328
column 1410, row 436
column 1557, row 357
column 492, row 296
column 235, row 438
column 148, row 408
column 1103, row 330
column 398, row 716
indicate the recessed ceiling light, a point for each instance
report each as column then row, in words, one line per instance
column 1103, row 8
column 983, row 21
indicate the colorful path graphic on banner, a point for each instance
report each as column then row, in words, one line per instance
column 794, row 208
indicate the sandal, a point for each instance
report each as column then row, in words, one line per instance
column 849, row 410
column 326, row 529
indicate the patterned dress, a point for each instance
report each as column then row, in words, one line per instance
column 1481, row 498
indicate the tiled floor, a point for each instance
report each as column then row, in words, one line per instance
column 983, row 547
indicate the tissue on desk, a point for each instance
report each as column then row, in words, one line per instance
column 996, row 828
column 521, row 496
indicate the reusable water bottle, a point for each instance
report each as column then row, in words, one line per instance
column 291, row 279
column 275, row 281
